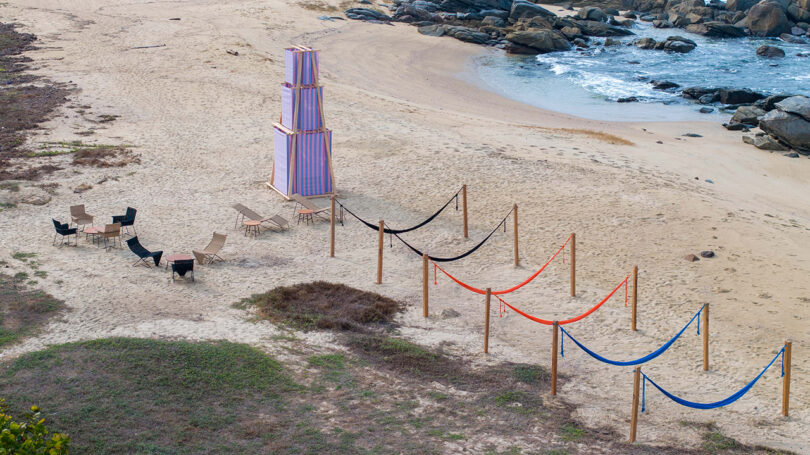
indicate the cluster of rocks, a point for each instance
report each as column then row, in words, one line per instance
column 787, row 19
column 518, row 26
column 784, row 122
column 672, row 44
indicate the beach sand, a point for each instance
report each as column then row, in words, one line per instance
column 408, row 132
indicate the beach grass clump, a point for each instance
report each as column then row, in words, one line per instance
column 323, row 306
column 22, row 310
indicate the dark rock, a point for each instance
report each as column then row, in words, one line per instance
column 767, row 18
column 494, row 12
column 788, row 38
column 646, row 43
column 663, row 85
column 677, row 44
column 709, row 98
column 629, row 99
column 798, row 31
column 611, row 11
column 738, row 96
column 541, row 41
column 706, row 110
column 791, row 155
column 593, row 28
column 621, row 22
column 734, row 126
column 748, row 115
column 707, row 254
column 770, row 51
column 717, row 30
column 468, row 35
column 648, row 18
column 797, row 13
column 592, row 13
column 523, row 8
column 365, row 14
column 797, row 105
column 629, row 15
column 493, row 21
column 764, row 142
column 740, row 5
column 790, row 129
column 661, row 23
column 696, row 92
column 432, row 30
column 612, row 42
column 691, row 258
column 691, row 135
column 768, row 104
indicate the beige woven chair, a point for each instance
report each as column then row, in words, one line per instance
column 79, row 216
column 112, row 231
column 209, row 254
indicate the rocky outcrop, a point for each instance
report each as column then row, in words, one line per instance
column 676, row 44
column 790, row 123
column 770, row 52
column 524, row 9
column 740, row 5
column 767, row 18
column 592, row 13
column 748, row 115
column 460, row 33
column 764, row 142
column 366, row 14
column 593, row 28
column 537, row 42
column 717, row 29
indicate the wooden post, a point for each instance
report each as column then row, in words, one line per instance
column 332, row 229
column 634, row 412
column 424, row 284
column 486, row 322
column 786, row 380
column 517, row 256
column 464, row 208
column 705, row 317
column 635, row 296
column 573, row 265
column 554, row 342
column 380, row 252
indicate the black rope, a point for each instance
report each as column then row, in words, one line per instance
column 461, row 256
column 401, row 231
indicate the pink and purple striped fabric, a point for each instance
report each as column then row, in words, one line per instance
column 309, row 118
column 291, row 56
column 311, row 175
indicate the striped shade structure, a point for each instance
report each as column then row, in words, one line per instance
column 310, row 176
column 291, row 58
column 309, row 114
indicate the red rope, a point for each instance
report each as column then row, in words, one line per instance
column 574, row 319
column 512, row 289
column 625, row 293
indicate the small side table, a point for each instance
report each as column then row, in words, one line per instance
column 92, row 232
column 252, row 228
column 306, row 215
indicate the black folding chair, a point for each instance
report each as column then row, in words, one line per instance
column 135, row 246
column 126, row 220
column 64, row 230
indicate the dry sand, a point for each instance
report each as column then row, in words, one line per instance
column 408, row 132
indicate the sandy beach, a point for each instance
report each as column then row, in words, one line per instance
column 410, row 127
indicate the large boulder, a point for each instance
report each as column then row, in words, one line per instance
column 798, row 13
column 523, row 8
column 593, row 28
column 717, row 29
column 541, row 41
column 645, row 43
column 676, row 44
column 790, row 129
column 748, row 115
column 592, row 13
column 764, row 142
column 366, row 14
column 770, row 51
column 767, row 18
column 738, row 96
column 460, row 33
column 739, row 5
column 796, row 105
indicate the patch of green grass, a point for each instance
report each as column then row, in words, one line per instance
column 20, row 256
column 571, row 432
column 41, row 274
column 20, row 276
column 508, row 397
column 557, row 452
column 715, row 442
column 333, row 367
column 14, row 187
column 438, row 396
column 529, row 374
column 22, row 310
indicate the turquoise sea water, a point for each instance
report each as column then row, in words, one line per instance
column 587, row 83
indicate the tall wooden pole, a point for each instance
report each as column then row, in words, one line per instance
column 786, row 380
column 517, row 256
column 554, row 344
column 705, row 317
column 332, row 229
column 486, row 322
column 380, row 252
column 634, row 411
column 635, row 296
column 573, row 265
column 424, row 284
column 464, row 209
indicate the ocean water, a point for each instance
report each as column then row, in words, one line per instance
column 587, row 83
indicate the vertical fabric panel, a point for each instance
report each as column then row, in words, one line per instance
column 280, row 160
column 309, row 116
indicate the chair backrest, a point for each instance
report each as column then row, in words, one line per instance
column 77, row 210
column 200, row 256
column 251, row 214
column 59, row 226
column 306, row 203
column 238, row 207
column 135, row 246
column 112, row 230
column 131, row 214
column 280, row 220
column 216, row 244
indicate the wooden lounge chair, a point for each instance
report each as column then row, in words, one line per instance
column 182, row 267
column 79, row 216
column 309, row 205
column 209, row 254
column 135, row 246
column 64, row 230
column 245, row 212
column 112, row 231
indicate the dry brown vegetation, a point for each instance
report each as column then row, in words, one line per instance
column 598, row 135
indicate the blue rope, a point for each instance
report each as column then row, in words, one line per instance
column 731, row 399
column 643, row 393
column 562, row 351
column 698, row 324
column 641, row 360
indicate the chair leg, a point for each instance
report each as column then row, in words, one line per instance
column 53, row 242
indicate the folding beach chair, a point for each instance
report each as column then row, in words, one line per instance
column 209, row 254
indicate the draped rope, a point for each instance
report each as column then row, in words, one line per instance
column 725, row 402
column 567, row 321
column 412, row 228
column 638, row 361
column 460, row 256
column 513, row 288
